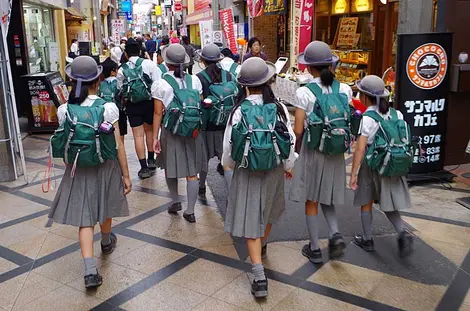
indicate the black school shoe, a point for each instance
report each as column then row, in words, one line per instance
column 202, row 192
column 264, row 251
column 108, row 249
column 367, row 245
column 93, row 280
column 314, row 256
column 336, row 246
column 152, row 164
column 259, row 289
column 220, row 169
column 175, row 208
column 144, row 173
column 189, row 218
column 405, row 244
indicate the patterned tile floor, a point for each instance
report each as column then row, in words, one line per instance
column 164, row 263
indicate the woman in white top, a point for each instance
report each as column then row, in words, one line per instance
column 391, row 192
column 91, row 195
column 256, row 198
column 318, row 177
column 181, row 157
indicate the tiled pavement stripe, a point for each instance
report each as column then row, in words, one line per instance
column 147, row 283
column 246, row 267
column 14, row 257
column 38, row 138
column 27, row 196
column 457, row 291
column 23, row 219
column 436, row 219
column 43, row 161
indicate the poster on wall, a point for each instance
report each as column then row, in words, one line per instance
column 346, row 33
column 206, row 32
column 422, row 86
column 228, row 27
column 272, row 7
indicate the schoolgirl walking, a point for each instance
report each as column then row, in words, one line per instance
column 219, row 92
column 259, row 146
column 96, row 179
column 180, row 146
column 322, row 126
column 380, row 176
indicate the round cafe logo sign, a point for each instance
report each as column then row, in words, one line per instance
column 427, row 66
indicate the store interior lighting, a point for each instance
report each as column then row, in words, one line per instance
column 383, row 1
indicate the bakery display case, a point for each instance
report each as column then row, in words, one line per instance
column 352, row 65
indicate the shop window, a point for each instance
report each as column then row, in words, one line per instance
column 40, row 40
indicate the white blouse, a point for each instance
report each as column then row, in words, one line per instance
column 237, row 117
column 369, row 126
column 111, row 111
column 163, row 91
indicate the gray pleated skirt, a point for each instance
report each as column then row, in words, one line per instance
column 391, row 192
column 255, row 200
column 213, row 141
column 93, row 195
column 319, row 178
column 181, row 157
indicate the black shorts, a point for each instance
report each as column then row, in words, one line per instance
column 140, row 113
column 122, row 123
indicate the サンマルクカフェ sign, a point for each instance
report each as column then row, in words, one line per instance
column 423, row 69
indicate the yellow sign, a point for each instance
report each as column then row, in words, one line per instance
column 340, row 7
column 158, row 10
column 362, row 5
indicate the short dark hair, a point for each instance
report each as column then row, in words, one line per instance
column 74, row 40
column 185, row 39
column 165, row 40
column 252, row 41
column 108, row 67
column 227, row 53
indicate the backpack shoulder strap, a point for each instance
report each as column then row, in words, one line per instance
column 224, row 76
column 139, row 62
column 374, row 115
column 335, row 86
column 233, row 67
column 162, row 68
column 205, row 76
column 315, row 89
column 189, row 81
column 393, row 114
column 172, row 81
column 98, row 102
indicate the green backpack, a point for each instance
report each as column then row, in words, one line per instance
column 137, row 84
column 391, row 153
column 328, row 125
column 110, row 93
column 79, row 139
column 223, row 96
column 183, row 115
column 260, row 141
column 163, row 68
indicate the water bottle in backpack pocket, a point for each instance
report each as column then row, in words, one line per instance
column 183, row 114
column 260, row 142
column 391, row 153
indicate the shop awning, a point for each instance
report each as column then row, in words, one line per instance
column 73, row 13
column 198, row 16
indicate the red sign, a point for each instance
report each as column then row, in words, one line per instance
column 178, row 6
column 258, row 7
column 306, row 21
column 201, row 4
column 228, row 27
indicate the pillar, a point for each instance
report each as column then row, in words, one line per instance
column 61, row 38
column 415, row 16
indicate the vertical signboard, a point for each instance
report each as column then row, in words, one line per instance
column 206, row 32
column 422, row 95
column 228, row 27
column 117, row 29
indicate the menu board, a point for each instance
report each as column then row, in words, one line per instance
column 346, row 34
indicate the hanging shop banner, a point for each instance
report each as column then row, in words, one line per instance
column 206, row 32
column 296, row 27
column 273, row 7
column 255, row 11
column 422, row 95
column 228, row 27
column 5, row 9
column 117, row 29
column 303, row 12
